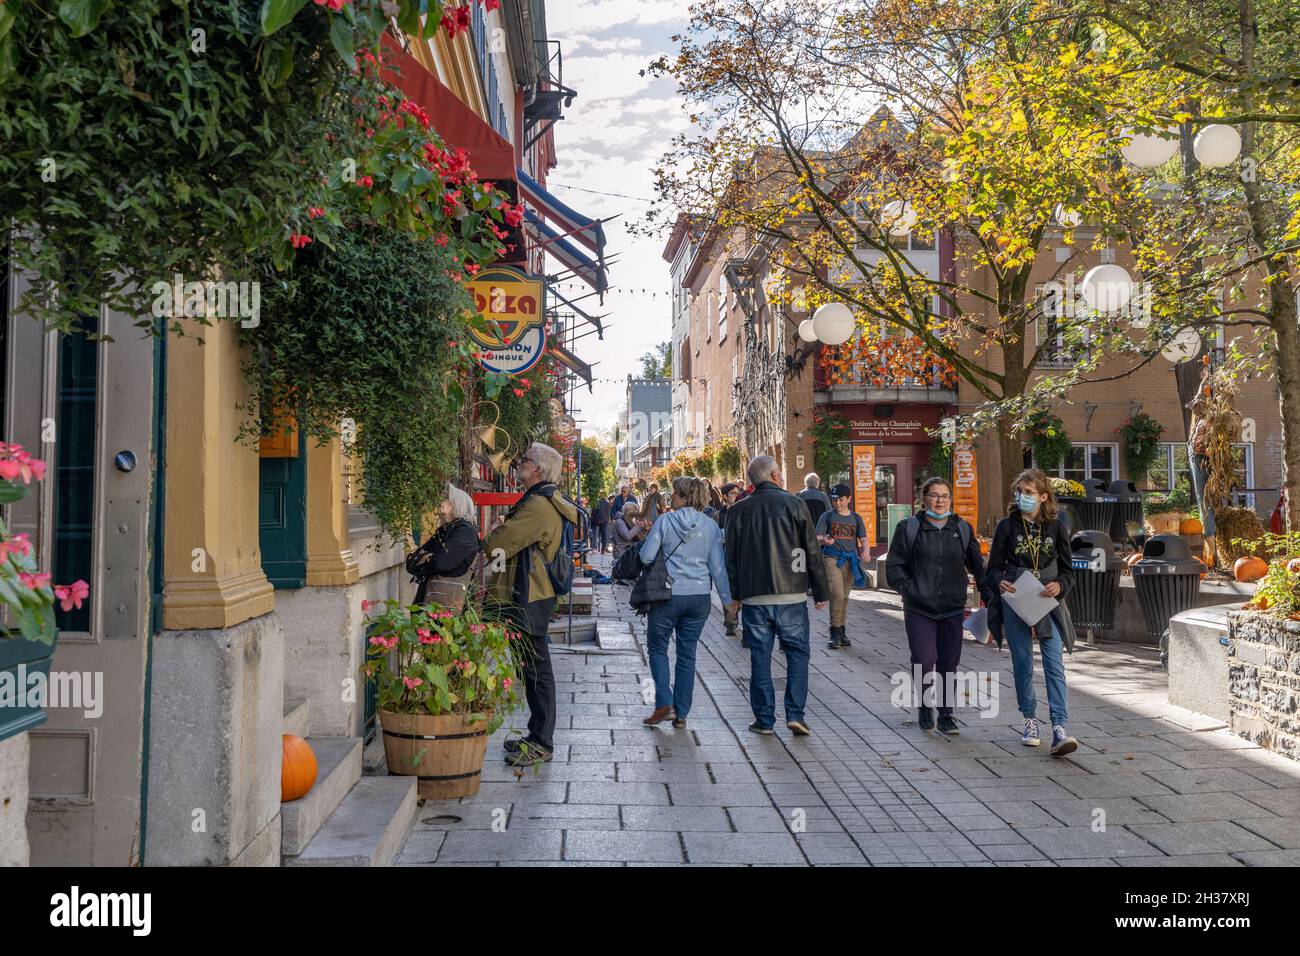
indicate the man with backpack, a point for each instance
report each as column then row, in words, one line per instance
column 532, row 547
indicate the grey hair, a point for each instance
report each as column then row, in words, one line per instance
column 761, row 469
column 462, row 505
column 811, row 480
column 547, row 459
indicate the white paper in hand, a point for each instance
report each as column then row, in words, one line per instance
column 1027, row 600
column 978, row 624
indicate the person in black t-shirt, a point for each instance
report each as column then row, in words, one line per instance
column 843, row 537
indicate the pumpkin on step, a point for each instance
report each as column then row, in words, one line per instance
column 1249, row 569
column 1191, row 526
column 297, row 768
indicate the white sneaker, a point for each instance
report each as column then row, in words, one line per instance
column 1030, row 738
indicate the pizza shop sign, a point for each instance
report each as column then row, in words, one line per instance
column 512, row 335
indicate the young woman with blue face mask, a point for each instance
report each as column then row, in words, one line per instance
column 929, row 557
column 1032, row 538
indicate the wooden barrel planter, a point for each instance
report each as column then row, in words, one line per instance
column 445, row 753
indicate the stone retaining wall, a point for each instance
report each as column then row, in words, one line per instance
column 1264, row 680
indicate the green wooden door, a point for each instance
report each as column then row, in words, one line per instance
column 282, row 520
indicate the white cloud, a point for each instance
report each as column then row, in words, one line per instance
column 591, row 16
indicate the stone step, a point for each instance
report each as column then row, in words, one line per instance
column 338, row 767
column 367, row 829
column 296, row 713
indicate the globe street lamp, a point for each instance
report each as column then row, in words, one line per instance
column 833, row 323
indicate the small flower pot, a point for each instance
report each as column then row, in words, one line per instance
column 445, row 752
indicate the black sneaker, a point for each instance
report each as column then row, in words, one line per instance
column 535, row 754
column 731, row 628
column 758, row 728
column 511, row 745
column 925, row 718
column 948, row 725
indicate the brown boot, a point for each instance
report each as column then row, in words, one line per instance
column 659, row 716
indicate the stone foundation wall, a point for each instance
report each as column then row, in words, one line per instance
column 1264, row 680
column 14, row 850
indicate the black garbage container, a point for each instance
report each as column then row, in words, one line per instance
column 1095, row 593
column 1092, row 512
column 1126, row 522
column 1167, row 580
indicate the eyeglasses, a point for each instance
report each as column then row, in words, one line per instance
column 934, row 497
column 520, row 461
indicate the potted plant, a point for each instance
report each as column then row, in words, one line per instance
column 27, row 645
column 1071, row 496
column 1141, row 434
column 1165, row 511
column 445, row 683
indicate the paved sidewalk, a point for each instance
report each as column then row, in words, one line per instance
column 1150, row 784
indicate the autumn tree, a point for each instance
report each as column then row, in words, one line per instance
column 971, row 140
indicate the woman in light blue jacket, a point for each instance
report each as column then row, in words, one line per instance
column 692, row 546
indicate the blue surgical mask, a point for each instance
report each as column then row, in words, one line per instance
column 937, row 516
column 1027, row 503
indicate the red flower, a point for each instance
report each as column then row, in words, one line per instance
column 298, row 240
column 366, row 181
column 335, row 5
column 456, row 20
column 315, row 212
column 440, row 241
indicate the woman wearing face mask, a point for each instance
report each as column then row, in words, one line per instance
column 928, row 559
column 1032, row 538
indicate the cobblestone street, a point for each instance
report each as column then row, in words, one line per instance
column 1150, row 784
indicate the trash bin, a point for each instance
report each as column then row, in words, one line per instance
column 1093, row 512
column 1167, row 580
column 1095, row 592
column 1126, row 523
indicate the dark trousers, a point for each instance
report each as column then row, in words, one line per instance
column 599, row 536
column 936, row 647
column 539, row 689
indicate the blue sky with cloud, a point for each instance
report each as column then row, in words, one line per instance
column 609, row 141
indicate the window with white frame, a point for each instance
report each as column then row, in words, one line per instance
column 1171, row 470
column 724, row 303
column 1063, row 350
column 1098, row 460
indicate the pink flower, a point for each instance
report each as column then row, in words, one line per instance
column 71, row 595
column 315, row 212
column 34, row 581
column 412, row 682
column 366, row 605
column 298, row 240
column 507, row 683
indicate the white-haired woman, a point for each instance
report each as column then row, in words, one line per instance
column 444, row 564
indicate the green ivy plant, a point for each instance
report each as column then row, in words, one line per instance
column 373, row 330
column 141, row 140
column 830, row 454
column 1048, row 440
column 1141, row 435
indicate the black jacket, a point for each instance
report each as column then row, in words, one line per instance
column 765, row 533
column 1008, row 559
column 931, row 575
column 600, row 513
column 448, row 553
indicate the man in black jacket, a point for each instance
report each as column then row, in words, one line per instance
column 600, row 513
column 730, row 492
column 772, row 560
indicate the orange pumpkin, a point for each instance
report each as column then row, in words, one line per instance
column 297, row 768
column 1249, row 569
column 1191, row 526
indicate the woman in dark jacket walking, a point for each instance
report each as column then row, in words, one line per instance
column 1032, row 538
column 929, row 557
column 443, row 565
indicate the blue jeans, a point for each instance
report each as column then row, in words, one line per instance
column 1022, row 644
column 685, row 613
column 764, row 625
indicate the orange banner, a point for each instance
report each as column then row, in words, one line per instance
column 965, row 492
column 864, row 487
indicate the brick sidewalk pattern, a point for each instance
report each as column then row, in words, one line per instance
column 1151, row 784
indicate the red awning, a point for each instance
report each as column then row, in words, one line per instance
column 491, row 154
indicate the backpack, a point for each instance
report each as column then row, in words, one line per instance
column 913, row 528
column 560, row 568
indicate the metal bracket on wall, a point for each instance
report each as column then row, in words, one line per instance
column 1089, row 409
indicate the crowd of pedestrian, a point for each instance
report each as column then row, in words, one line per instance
column 765, row 551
